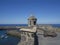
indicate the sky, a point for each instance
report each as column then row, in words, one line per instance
column 18, row 11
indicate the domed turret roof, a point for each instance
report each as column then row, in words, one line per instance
column 32, row 18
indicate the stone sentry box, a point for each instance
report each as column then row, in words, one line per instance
column 32, row 21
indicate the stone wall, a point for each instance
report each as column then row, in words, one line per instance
column 28, row 39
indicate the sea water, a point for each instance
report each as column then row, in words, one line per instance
column 9, row 40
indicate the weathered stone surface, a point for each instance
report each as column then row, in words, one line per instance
column 26, row 39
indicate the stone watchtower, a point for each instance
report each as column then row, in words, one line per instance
column 32, row 21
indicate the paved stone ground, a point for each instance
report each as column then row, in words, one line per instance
column 49, row 40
